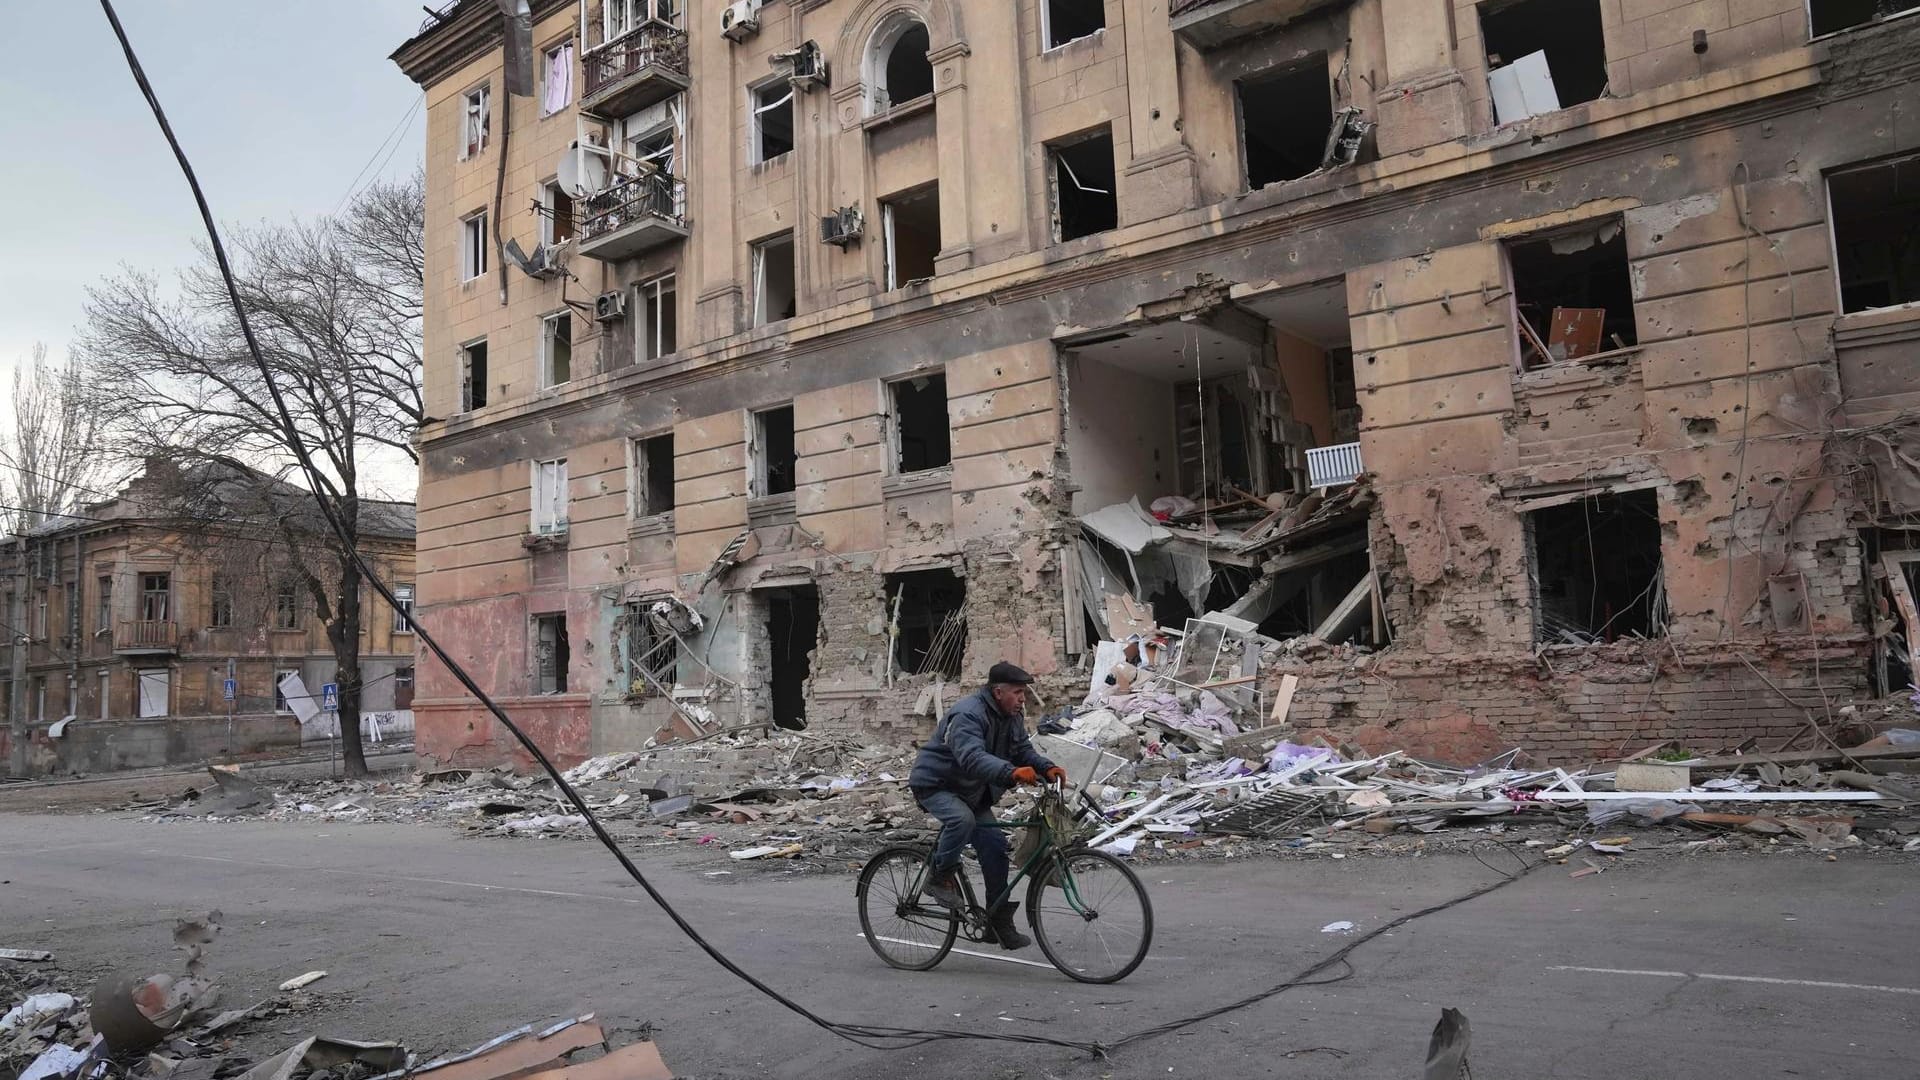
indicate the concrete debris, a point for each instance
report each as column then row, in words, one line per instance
column 299, row 981
column 28, row 956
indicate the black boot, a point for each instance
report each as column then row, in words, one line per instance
column 1002, row 932
column 943, row 888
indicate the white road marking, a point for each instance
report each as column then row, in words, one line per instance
column 1815, row 983
column 972, row 952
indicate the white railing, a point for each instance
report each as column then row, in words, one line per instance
column 1331, row 466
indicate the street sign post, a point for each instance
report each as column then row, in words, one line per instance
column 330, row 703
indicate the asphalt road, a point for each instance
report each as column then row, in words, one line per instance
column 1715, row 966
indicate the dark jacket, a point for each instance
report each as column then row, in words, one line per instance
column 974, row 751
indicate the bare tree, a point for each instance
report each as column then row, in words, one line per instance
column 335, row 304
column 52, row 455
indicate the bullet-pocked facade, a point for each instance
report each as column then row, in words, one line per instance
column 1540, row 372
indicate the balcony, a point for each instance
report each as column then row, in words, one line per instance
column 1209, row 24
column 633, row 216
column 156, row 636
column 1333, row 466
column 642, row 67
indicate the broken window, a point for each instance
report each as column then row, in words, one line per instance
column 473, row 245
column 1071, row 20
column 476, row 122
column 403, row 609
column 793, row 630
column 403, row 687
column 1596, row 569
column 1284, row 120
column 912, row 225
column 773, row 280
column 556, row 78
column 473, row 375
column 653, row 652
column 922, row 435
column 1876, row 233
column 898, row 70
column 220, row 613
column 772, row 105
column 651, row 475
column 926, row 620
column 1833, row 16
column 1083, row 186
column 550, row 496
column 1573, row 293
column 550, row 654
column 286, row 606
column 773, row 451
column 556, row 214
column 103, row 605
column 1542, row 55
column 657, row 324
column 624, row 16
column 556, row 349
column 280, row 676
column 659, row 147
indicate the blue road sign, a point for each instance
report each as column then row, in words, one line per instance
column 330, row 697
column 230, row 689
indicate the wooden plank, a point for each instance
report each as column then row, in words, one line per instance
column 1283, row 699
column 1533, row 338
column 1909, row 613
column 1575, row 332
column 1804, row 757
column 1347, row 609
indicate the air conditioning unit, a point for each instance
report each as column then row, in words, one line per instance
column 609, row 306
column 842, row 228
column 807, row 66
column 741, row 20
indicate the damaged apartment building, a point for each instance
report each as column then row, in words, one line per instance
column 1517, row 373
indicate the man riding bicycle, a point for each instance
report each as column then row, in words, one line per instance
column 978, row 751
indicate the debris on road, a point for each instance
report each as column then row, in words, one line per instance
column 299, row 981
column 29, row 956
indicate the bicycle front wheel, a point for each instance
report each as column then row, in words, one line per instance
column 903, row 925
column 1091, row 916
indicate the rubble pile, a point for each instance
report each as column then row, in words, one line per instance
column 163, row 1027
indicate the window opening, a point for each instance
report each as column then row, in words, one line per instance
column 403, row 686
column 220, row 617
column 286, row 606
column 624, row 16
column 1573, row 293
column 793, row 629
column 923, row 437
column 477, row 122
column 1083, row 187
column 653, row 652
column 1596, row 569
column 1543, row 55
column 473, row 376
column 912, row 224
column 156, row 594
column 473, row 246
column 556, row 349
column 556, row 90
column 909, row 72
column 1875, row 212
column 106, row 694
column 652, row 475
column 1833, row 16
column 773, row 280
column 774, row 458
column 556, row 214
column 658, row 324
column 658, row 148
column 403, row 613
column 772, row 120
column 550, row 496
column 550, row 654
column 926, row 616
column 1071, row 20
column 280, row 702
column 103, row 606
column 1284, row 120
column 154, row 698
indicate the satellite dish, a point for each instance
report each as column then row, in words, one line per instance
column 581, row 174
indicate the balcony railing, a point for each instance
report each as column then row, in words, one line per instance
column 146, row 636
column 1331, row 466
column 643, row 66
column 634, row 215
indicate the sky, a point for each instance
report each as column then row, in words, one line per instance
column 278, row 103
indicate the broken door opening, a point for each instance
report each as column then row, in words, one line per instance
column 1573, row 69
column 1595, row 565
column 926, row 619
column 912, row 224
column 793, row 629
column 551, row 654
column 773, row 446
column 1083, row 186
column 1876, row 233
column 1283, row 122
column 1573, row 293
column 922, row 434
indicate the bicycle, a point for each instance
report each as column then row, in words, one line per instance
column 1087, row 909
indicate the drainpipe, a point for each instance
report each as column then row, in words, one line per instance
column 73, row 626
column 17, row 706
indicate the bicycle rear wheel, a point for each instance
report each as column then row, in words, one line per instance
column 1091, row 916
column 906, row 928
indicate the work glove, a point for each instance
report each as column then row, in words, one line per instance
column 1025, row 775
column 1056, row 774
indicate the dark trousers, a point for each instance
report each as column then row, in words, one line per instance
column 961, row 824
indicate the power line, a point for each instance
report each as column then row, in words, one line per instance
column 353, row 187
